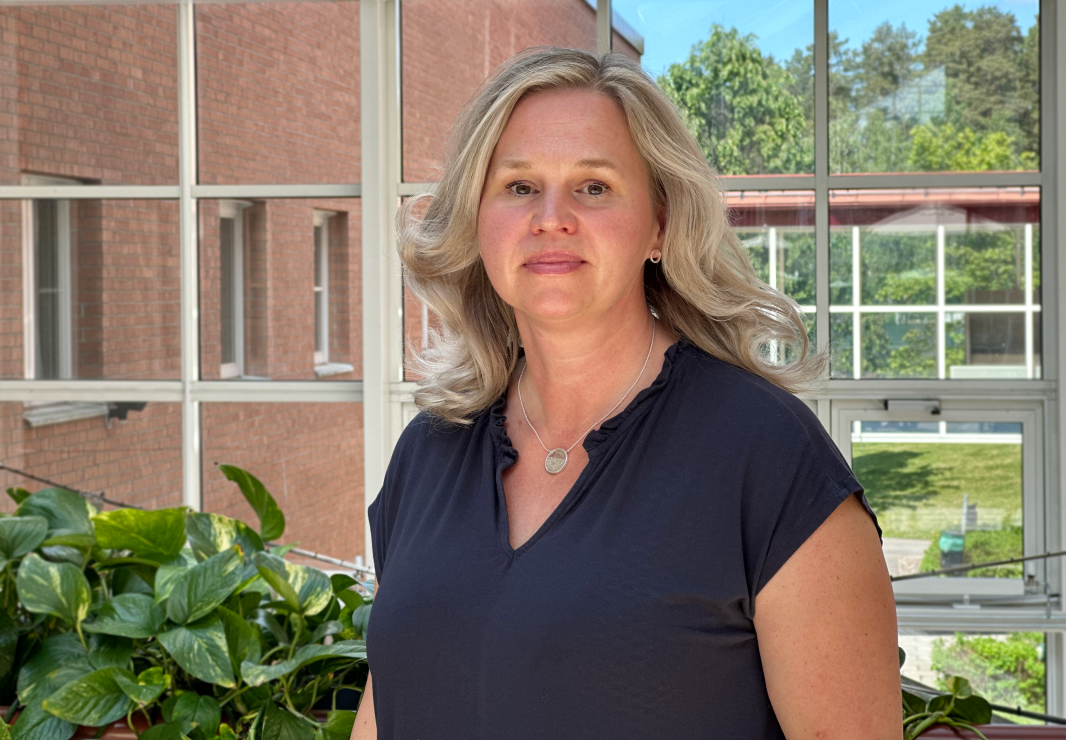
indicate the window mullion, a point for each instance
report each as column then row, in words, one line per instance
column 190, row 261
column 821, row 184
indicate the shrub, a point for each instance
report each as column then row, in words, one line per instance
column 1008, row 671
column 983, row 546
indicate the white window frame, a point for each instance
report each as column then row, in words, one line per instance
column 942, row 309
column 234, row 210
column 321, row 292
column 1029, row 414
column 30, row 229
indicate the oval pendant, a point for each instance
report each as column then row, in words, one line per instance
column 555, row 461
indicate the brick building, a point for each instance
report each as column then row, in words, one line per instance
column 90, row 288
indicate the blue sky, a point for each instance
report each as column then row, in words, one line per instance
column 671, row 27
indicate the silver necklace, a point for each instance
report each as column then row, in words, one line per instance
column 557, row 458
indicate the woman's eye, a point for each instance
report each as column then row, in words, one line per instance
column 595, row 188
column 520, row 188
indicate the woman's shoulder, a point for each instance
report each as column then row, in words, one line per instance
column 427, row 430
column 718, row 390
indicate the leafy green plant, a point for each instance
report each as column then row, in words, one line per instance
column 189, row 619
column 959, row 707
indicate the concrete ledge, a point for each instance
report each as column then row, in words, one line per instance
column 46, row 414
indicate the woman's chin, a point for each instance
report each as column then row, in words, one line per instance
column 554, row 310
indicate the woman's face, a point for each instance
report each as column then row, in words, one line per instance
column 566, row 217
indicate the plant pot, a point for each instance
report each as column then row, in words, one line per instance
column 1000, row 732
column 115, row 731
column 121, row 731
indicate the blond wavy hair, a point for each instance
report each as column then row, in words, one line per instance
column 704, row 288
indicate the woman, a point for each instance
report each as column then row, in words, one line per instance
column 700, row 564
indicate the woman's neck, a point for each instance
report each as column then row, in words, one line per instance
column 575, row 372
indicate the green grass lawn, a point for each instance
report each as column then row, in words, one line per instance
column 916, row 489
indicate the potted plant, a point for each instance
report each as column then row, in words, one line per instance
column 188, row 622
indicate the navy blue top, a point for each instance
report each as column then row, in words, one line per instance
column 628, row 614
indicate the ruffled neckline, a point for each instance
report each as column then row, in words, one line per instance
column 509, row 455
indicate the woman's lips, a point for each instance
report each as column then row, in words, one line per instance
column 554, row 264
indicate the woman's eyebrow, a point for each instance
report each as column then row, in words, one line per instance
column 597, row 164
column 585, row 164
column 513, row 164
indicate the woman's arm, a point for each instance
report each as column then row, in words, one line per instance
column 366, row 726
column 826, row 624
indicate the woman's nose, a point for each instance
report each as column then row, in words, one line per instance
column 554, row 211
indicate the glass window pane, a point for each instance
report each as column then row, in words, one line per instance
column 1006, row 669
column 898, row 345
column 918, row 87
column 953, row 273
column 777, row 228
column 986, row 345
column 275, row 337
column 278, row 92
column 418, row 323
column 89, row 446
column 743, row 74
column 310, row 458
column 109, row 303
column 985, row 262
column 49, row 289
column 90, row 92
column 777, row 231
column 439, row 77
column 944, row 493
column 842, row 354
column 228, row 289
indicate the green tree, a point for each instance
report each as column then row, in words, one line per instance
column 738, row 105
column 843, row 62
column 936, row 148
column 1029, row 97
column 886, row 62
column 990, row 119
column 989, row 68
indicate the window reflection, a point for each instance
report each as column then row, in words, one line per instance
column 935, row 283
column 920, row 88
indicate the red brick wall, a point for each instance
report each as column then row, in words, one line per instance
column 309, row 456
column 278, row 92
column 451, row 46
column 89, row 92
column 136, row 461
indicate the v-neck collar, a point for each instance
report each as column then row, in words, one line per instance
column 594, row 443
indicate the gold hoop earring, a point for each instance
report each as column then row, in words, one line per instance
column 656, row 255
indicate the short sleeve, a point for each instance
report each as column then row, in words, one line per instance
column 379, row 534
column 793, row 486
column 382, row 513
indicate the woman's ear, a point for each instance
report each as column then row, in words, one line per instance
column 660, row 217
